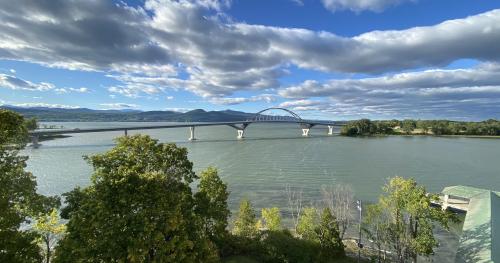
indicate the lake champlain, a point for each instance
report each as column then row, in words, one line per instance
column 273, row 155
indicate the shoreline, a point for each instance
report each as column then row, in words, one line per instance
column 430, row 135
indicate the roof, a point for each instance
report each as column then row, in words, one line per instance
column 481, row 229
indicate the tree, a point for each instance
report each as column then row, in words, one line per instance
column 408, row 126
column 339, row 198
column 329, row 236
column 211, row 201
column 411, row 218
column 272, row 218
column 376, row 226
column 138, row 208
column 19, row 201
column 308, row 222
column 246, row 220
column 49, row 229
column 294, row 198
column 31, row 124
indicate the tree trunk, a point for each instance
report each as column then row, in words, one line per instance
column 47, row 244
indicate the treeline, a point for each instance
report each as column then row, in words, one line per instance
column 366, row 127
column 141, row 206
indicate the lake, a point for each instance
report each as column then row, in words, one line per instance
column 274, row 155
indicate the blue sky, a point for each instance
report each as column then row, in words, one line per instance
column 329, row 59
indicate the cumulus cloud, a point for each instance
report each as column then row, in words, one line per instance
column 194, row 46
column 238, row 100
column 148, row 48
column 178, row 109
column 15, row 83
column 472, row 93
column 45, row 105
column 134, row 90
column 487, row 74
column 361, row 5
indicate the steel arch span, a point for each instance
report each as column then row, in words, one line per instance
column 259, row 116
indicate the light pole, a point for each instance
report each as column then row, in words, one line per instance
column 360, row 245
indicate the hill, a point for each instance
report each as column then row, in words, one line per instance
column 84, row 114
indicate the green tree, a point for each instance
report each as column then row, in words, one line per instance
column 49, row 229
column 211, row 201
column 408, row 126
column 138, row 208
column 308, row 222
column 411, row 218
column 272, row 218
column 246, row 220
column 31, row 124
column 329, row 236
column 376, row 226
column 19, row 201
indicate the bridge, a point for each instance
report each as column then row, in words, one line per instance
column 240, row 126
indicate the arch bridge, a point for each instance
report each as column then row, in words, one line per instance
column 240, row 126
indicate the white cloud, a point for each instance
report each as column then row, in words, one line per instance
column 135, row 90
column 193, row 45
column 170, row 97
column 178, row 109
column 15, row 83
column 238, row 100
column 487, row 74
column 472, row 93
column 13, row 71
column 45, row 105
column 361, row 5
column 118, row 106
column 80, row 90
column 148, row 48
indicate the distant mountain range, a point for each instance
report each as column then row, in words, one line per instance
column 84, row 114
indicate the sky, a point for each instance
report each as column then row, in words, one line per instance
column 324, row 59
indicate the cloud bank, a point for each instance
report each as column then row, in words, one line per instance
column 195, row 46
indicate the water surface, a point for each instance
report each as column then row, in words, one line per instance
column 273, row 155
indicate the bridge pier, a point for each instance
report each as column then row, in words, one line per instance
column 305, row 131
column 35, row 141
column 191, row 132
column 126, row 132
column 330, row 130
column 241, row 134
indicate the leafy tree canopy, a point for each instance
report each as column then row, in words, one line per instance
column 272, row 218
column 329, row 236
column 211, row 200
column 138, row 208
column 19, row 201
column 308, row 222
column 411, row 218
column 246, row 221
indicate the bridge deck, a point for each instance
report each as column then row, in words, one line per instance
column 177, row 125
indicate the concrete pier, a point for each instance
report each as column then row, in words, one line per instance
column 191, row 133
column 330, row 130
column 305, row 131
column 241, row 134
column 35, row 141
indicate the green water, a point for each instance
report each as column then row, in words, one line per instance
column 272, row 156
